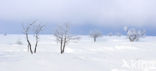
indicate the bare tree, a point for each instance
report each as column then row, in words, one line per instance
column 95, row 34
column 26, row 32
column 37, row 30
column 63, row 36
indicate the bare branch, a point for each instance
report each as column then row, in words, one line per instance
column 37, row 29
column 63, row 36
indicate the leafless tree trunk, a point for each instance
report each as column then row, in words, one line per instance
column 26, row 31
column 61, row 44
column 36, row 44
column 37, row 30
column 29, row 44
column 95, row 39
column 63, row 36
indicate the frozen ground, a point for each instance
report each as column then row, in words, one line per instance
column 108, row 54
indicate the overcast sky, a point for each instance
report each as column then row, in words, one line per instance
column 81, row 13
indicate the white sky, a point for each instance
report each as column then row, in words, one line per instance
column 105, row 12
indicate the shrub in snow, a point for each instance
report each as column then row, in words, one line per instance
column 95, row 34
column 134, row 34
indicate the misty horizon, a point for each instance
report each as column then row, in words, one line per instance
column 83, row 15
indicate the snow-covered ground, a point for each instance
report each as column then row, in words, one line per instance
column 107, row 54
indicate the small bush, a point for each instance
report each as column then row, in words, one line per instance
column 135, row 35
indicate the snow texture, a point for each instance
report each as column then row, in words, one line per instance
column 107, row 54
